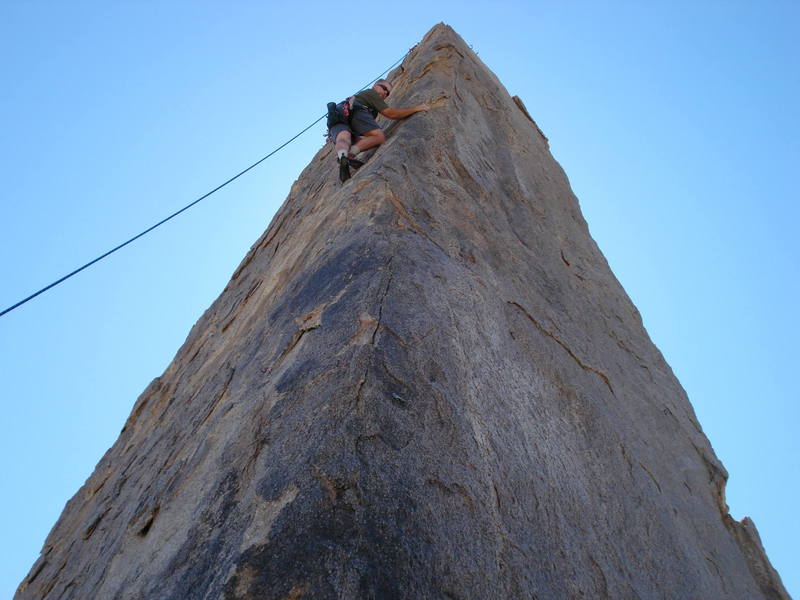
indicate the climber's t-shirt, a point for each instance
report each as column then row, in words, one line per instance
column 372, row 100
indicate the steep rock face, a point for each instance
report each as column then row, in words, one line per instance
column 425, row 383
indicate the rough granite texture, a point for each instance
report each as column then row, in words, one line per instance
column 425, row 383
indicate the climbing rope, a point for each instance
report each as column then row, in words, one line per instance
column 187, row 207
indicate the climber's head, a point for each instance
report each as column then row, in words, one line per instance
column 383, row 87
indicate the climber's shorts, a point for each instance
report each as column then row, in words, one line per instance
column 361, row 122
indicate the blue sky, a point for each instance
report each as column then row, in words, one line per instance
column 676, row 122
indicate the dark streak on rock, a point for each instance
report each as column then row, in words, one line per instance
column 566, row 348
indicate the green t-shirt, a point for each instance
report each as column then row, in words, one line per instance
column 372, row 100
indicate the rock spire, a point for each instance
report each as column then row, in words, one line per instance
column 424, row 383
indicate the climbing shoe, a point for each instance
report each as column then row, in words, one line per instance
column 354, row 162
column 344, row 169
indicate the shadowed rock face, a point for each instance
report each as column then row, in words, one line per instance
column 425, row 383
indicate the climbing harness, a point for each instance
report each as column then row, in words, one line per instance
column 340, row 113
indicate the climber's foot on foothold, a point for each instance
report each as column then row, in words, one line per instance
column 355, row 163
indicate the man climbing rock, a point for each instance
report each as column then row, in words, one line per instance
column 356, row 115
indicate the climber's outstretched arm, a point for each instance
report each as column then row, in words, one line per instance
column 402, row 113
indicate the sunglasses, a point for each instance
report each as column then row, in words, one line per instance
column 384, row 88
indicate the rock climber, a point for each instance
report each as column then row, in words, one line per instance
column 356, row 115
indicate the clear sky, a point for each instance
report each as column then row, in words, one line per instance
column 676, row 122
